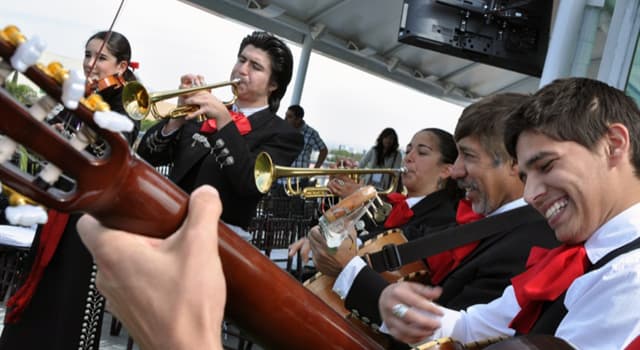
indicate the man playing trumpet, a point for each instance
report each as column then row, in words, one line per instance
column 221, row 151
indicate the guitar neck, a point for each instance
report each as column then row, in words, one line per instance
column 124, row 192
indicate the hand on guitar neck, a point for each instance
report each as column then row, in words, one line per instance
column 137, row 272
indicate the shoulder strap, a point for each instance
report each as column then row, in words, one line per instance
column 391, row 257
column 554, row 311
column 633, row 245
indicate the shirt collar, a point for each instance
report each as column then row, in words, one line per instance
column 411, row 201
column 509, row 206
column 248, row 111
column 620, row 230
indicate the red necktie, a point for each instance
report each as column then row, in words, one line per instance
column 209, row 126
column 400, row 212
column 49, row 239
column 549, row 274
column 635, row 345
column 443, row 263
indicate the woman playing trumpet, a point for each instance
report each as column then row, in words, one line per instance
column 431, row 199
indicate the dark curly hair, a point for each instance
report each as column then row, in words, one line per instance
column 281, row 62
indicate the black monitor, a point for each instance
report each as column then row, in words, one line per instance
column 511, row 34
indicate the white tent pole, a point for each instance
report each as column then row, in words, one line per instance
column 303, row 63
column 564, row 38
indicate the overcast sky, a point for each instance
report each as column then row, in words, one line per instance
column 169, row 38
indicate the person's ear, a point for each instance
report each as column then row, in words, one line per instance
column 514, row 169
column 273, row 86
column 121, row 67
column 617, row 143
column 445, row 171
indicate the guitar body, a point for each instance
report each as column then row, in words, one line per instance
column 321, row 285
column 525, row 342
column 279, row 314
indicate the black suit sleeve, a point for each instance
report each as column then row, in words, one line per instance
column 155, row 148
column 364, row 294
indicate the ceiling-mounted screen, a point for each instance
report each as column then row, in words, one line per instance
column 511, row 34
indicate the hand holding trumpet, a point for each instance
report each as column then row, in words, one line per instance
column 207, row 104
column 343, row 185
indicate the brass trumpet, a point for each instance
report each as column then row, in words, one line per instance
column 138, row 102
column 265, row 173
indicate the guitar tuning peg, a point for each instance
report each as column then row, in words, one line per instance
column 26, row 215
column 95, row 103
column 28, row 53
column 42, row 107
column 16, row 198
column 113, row 121
column 55, row 70
column 12, row 35
column 73, row 89
column 7, row 148
column 23, row 211
column 5, row 70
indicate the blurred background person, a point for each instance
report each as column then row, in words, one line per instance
column 384, row 155
column 312, row 140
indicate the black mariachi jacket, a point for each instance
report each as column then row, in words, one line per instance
column 224, row 159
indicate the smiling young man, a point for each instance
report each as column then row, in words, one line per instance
column 221, row 152
column 576, row 141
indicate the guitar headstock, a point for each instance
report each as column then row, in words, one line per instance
column 107, row 187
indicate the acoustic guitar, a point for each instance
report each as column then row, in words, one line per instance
column 278, row 314
column 528, row 342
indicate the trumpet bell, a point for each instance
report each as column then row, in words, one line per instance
column 135, row 100
column 138, row 102
column 264, row 172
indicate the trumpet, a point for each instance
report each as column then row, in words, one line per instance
column 265, row 173
column 138, row 102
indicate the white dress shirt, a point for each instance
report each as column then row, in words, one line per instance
column 603, row 305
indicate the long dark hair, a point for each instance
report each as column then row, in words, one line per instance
column 448, row 155
column 281, row 63
column 119, row 47
column 381, row 153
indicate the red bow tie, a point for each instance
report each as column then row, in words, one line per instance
column 549, row 274
column 400, row 212
column 443, row 263
column 209, row 126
